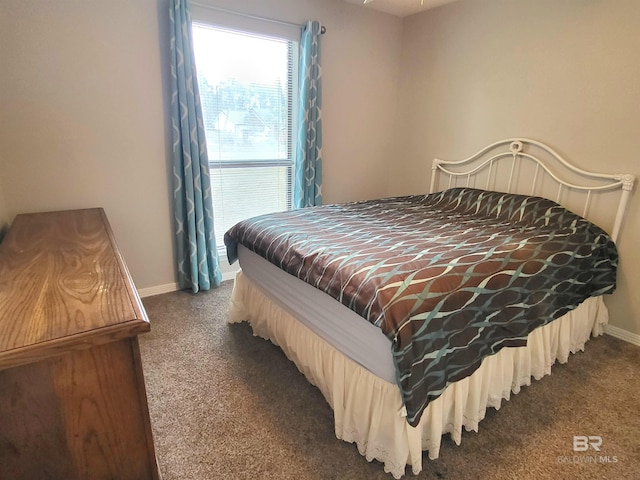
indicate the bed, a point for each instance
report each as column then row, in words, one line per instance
column 488, row 283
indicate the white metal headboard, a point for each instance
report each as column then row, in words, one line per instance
column 544, row 167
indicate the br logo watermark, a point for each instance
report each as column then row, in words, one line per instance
column 591, row 444
column 582, row 443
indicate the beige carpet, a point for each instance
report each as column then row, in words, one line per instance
column 225, row 404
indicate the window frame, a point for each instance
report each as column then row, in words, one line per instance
column 208, row 18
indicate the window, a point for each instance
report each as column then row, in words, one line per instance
column 247, row 84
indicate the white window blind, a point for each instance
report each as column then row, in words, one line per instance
column 247, row 86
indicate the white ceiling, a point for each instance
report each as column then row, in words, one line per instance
column 400, row 8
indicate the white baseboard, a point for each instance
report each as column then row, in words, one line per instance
column 173, row 287
column 157, row 290
column 228, row 271
column 228, row 275
column 622, row 334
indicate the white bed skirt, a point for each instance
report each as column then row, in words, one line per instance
column 369, row 411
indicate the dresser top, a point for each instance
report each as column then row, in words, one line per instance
column 63, row 286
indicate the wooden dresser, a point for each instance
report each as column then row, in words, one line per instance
column 72, row 395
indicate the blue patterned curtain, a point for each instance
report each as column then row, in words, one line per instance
column 198, row 263
column 308, row 177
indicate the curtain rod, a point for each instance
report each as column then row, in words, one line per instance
column 323, row 29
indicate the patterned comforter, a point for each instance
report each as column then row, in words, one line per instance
column 450, row 277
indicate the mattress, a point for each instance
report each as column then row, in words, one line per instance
column 345, row 330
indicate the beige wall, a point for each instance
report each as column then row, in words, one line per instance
column 562, row 72
column 83, row 120
column 83, row 102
